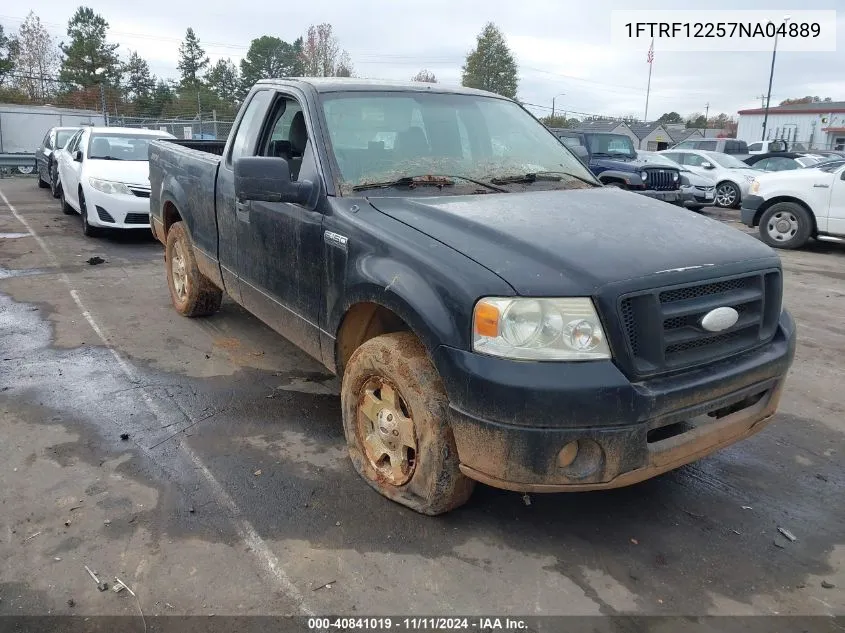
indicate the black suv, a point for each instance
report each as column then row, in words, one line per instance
column 613, row 160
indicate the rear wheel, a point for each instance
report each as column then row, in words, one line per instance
column 395, row 421
column 192, row 293
column 55, row 185
column 41, row 183
column 66, row 208
column 786, row 225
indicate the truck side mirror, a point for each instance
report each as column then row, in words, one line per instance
column 267, row 179
column 77, row 156
column 707, row 165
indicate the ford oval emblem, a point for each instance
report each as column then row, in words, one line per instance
column 719, row 319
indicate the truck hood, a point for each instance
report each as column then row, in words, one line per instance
column 571, row 242
column 793, row 178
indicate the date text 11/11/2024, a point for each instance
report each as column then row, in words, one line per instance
column 482, row 624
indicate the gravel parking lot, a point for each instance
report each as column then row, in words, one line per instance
column 203, row 462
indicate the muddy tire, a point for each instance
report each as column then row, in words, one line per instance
column 192, row 293
column 395, row 420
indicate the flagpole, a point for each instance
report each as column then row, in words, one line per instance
column 648, row 89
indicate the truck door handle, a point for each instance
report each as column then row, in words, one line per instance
column 242, row 210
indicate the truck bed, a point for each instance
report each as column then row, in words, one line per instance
column 208, row 146
column 185, row 173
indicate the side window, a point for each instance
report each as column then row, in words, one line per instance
column 755, row 147
column 693, row 160
column 249, row 126
column 708, row 145
column 286, row 134
column 74, row 142
column 762, row 164
column 570, row 141
column 47, row 142
column 731, row 147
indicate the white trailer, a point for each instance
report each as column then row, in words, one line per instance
column 22, row 127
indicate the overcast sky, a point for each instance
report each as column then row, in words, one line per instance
column 561, row 46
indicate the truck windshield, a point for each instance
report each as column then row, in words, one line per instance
column 611, row 145
column 384, row 136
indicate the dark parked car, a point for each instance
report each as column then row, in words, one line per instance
column 613, row 160
column 782, row 161
column 495, row 314
column 45, row 163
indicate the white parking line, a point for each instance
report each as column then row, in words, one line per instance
column 246, row 531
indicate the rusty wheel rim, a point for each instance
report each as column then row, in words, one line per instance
column 179, row 272
column 386, row 429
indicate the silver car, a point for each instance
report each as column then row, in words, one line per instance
column 699, row 191
column 733, row 177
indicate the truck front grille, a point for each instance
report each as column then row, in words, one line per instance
column 662, row 179
column 663, row 328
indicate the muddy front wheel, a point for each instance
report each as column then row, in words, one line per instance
column 191, row 292
column 395, row 421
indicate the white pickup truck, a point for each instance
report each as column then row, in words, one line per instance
column 792, row 206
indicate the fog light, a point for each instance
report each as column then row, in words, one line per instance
column 567, row 455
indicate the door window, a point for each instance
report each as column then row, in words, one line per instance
column 693, row 160
column 246, row 135
column 755, row 147
column 286, row 135
column 47, row 143
column 778, row 163
column 708, row 145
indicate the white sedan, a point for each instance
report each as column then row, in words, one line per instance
column 732, row 176
column 104, row 176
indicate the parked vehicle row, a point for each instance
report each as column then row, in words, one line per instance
column 101, row 173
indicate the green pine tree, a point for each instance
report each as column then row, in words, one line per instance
column 491, row 66
column 89, row 59
column 270, row 57
column 192, row 59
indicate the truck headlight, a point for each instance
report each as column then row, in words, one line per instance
column 538, row 329
column 675, row 176
column 109, row 186
column 644, row 175
column 755, row 186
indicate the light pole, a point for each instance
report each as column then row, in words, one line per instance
column 786, row 19
column 99, row 73
column 553, row 102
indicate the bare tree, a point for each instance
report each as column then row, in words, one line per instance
column 426, row 76
column 322, row 55
column 36, row 58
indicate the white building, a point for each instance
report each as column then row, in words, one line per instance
column 814, row 125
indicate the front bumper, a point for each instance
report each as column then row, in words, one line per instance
column 116, row 211
column 511, row 419
column 750, row 206
column 676, row 196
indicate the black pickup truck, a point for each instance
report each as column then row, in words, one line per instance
column 495, row 313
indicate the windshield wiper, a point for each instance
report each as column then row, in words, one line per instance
column 549, row 176
column 428, row 180
column 104, row 158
